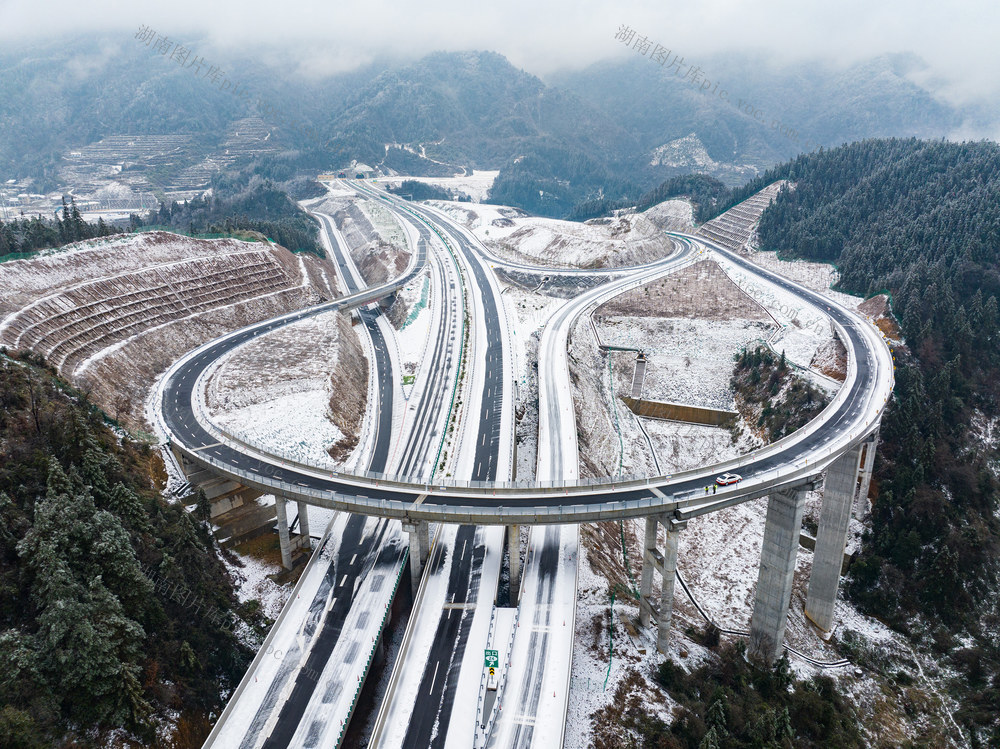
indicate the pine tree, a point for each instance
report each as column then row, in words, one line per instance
column 710, row 740
column 203, row 507
column 79, row 225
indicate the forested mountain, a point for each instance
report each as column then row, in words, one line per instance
column 70, row 92
column 822, row 104
column 116, row 608
column 477, row 111
column 611, row 131
column 705, row 193
column 472, row 108
column 921, row 220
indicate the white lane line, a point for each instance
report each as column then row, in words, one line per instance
column 434, row 678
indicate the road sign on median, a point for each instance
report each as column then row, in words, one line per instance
column 492, row 659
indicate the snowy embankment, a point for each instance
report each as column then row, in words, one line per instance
column 625, row 240
column 131, row 305
column 294, row 391
column 476, row 185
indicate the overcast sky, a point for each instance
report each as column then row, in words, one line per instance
column 957, row 39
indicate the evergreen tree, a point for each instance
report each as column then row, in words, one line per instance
column 203, row 507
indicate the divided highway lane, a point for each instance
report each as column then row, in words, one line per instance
column 301, row 720
column 437, row 377
column 425, row 700
column 287, row 709
column 432, row 721
column 491, row 366
column 359, row 552
column 384, row 377
column 537, row 692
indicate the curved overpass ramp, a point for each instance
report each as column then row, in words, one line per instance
column 850, row 418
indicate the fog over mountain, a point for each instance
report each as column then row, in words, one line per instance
column 313, row 38
column 615, row 128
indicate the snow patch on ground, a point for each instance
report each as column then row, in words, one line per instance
column 276, row 391
column 594, row 680
column 674, row 215
column 528, row 313
column 816, row 276
column 628, row 239
column 476, row 185
column 413, row 338
column 689, row 361
column 253, row 583
column 294, row 426
column 385, row 223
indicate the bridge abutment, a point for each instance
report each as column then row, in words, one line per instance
column 665, row 562
column 777, row 567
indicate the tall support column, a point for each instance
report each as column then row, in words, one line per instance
column 283, row 540
column 304, row 525
column 831, row 538
column 646, row 583
column 777, row 567
column 418, row 534
column 669, row 571
column 867, row 465
column 514, row 553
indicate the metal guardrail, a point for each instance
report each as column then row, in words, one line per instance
column 404, row 648
column 371, row 653
column 491, row 719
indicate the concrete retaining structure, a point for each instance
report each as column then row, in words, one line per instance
column 679, row 412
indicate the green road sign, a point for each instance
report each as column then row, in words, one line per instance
column 492, row 659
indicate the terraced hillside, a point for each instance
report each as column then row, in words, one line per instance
column 111, row 315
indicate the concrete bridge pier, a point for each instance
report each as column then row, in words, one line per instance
column 283, row 537
column 304, row 525
column 665, row 562
column 867, row 464
column 831, row 538
column 777, row 566
column 514, row 552
column 646, row 579
column 419, row 546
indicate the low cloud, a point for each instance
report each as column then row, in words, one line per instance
column 319, row 38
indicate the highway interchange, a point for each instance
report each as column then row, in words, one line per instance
column 483, row 492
